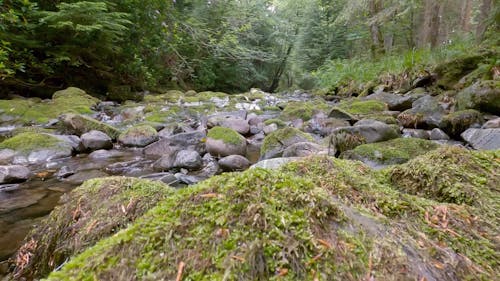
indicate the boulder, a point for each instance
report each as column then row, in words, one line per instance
column 488, row 139
column 426, row 113
column 275, row 163
column 393, row 101
column 438, row 134
column 302, row 149
column 457, row 122
column 303, row 110
column 483, row 96
column 361, row 107
column 338, row 113
column 224, row 142
column 371, row 130
column 492, row 124
column 324, row 126
column 166, row 146
column 138, row 136
column 13, row 174
column 188, row 159
column 95, row 140
column 234, row 163
column 239, row 125
column 275, row 143
column 79, row 124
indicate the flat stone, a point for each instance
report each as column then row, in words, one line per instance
column 488, row 139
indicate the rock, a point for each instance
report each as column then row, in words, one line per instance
column 188, row 159
column 105, row 154
column 6, row 155
column 80, row 124
column 361, row 107
column 416, row 133
column 457, row 122
column 95, row 140
column 13, row 174
column 394, row 102
column 438, row 134
column 450, row 72
column 338, row 113
column 371, row 130
column 72, row 140
column 491, row 124
column 172, row 144
column 324, row 126
column 390, row 152
column 488, row 139
column 224, row 142
column 233, row 163
column 270, row 128
column 165, row 177
column 276, row 142
column 81, row 176
column 302, row 149
column 35, row 148
column 303, row 110
column 275, row 163
column 138, row 136
column 65, row 172
column 426, row 113
column 483, row 96
column 239, row 125
column 213, row 120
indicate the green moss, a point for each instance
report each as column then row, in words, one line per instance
column 226, row 135
column 31, row 129
column 139, row 130
column 71, row 100
column 303, row 110
column 387, row 119
column 95, row 210
column 358, row 107
column 80, row 124
column 26, row 142
column 159, row 115
column 390, row 152
column 457, row 122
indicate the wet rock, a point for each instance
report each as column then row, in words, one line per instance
column 188, row 179
column 72, row 140
column 19, row 198
column 416, row 133
column 165, row 177
column 6, row 155
column 80, row 124
column 233, row 163
column 324, row 126
column 105, row 154
column 275, row 163
column 13, row 174
column 438, row 134
column 138, row 136
column 483, row 96
column 426, row 113
column 65, row 172
column 95, row 140
column 394, row 102
column 224, row 142
column 371, row 130
column 302, row 149
column 188, row 159
column 488, row 139
column 81, row 176
column 276, row 142
column 491, row 124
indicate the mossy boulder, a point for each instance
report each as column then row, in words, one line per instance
column 483, row 96
column 362, row 107
column 79, row 124
column 139, row 136
column 275, row 143
column 36, row 111
column 371, row 130
column 426, row 113
column 457, row 122
column 390, row 152
column 223, row 141
column 97, row 209
column 302, row 110
column 450, row 72
column 33, row 147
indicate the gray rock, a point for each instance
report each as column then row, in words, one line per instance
column 95, row 140
column 324, row 126
column 302, row 149
column 65, row 172
column 492, row 124
column 394, row 102
column 174, row 143
column 222, row 149
column 164, row 177
column 438, row 134
column 416, row 133
column 6, row 155
column 275, row 163
column 105, row 154
column 488, row 139
column 138, row 136
column 81, row 176
column 483, row 96
column 72, row 140
column 233, row 163
column 342, row 115
column 426, row 113
column 13, row 173
column 371, row 130
column 239, row 125
column 188, row 159
column 45, row 155
column 270, row 128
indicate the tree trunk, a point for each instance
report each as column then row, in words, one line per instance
column 485, row 9
column 465, row 16
column 430, row 32
column 375, row 6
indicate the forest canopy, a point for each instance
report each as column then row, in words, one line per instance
column 226, row 45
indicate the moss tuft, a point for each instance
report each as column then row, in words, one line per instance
column 283, row 138
column 280, row 123
column 303, row 110
column 226, row 135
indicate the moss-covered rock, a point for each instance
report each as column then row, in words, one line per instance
column 303, row 110
column 97, row 209
column 483, row 96
column 31, row 141
column 80, row 124
column 362, row 107
column 450, row 72
column 140, row 136
column 390, row 152
column 275, row 143
column 36, row 111
column 457, row 122
column 222, row 141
